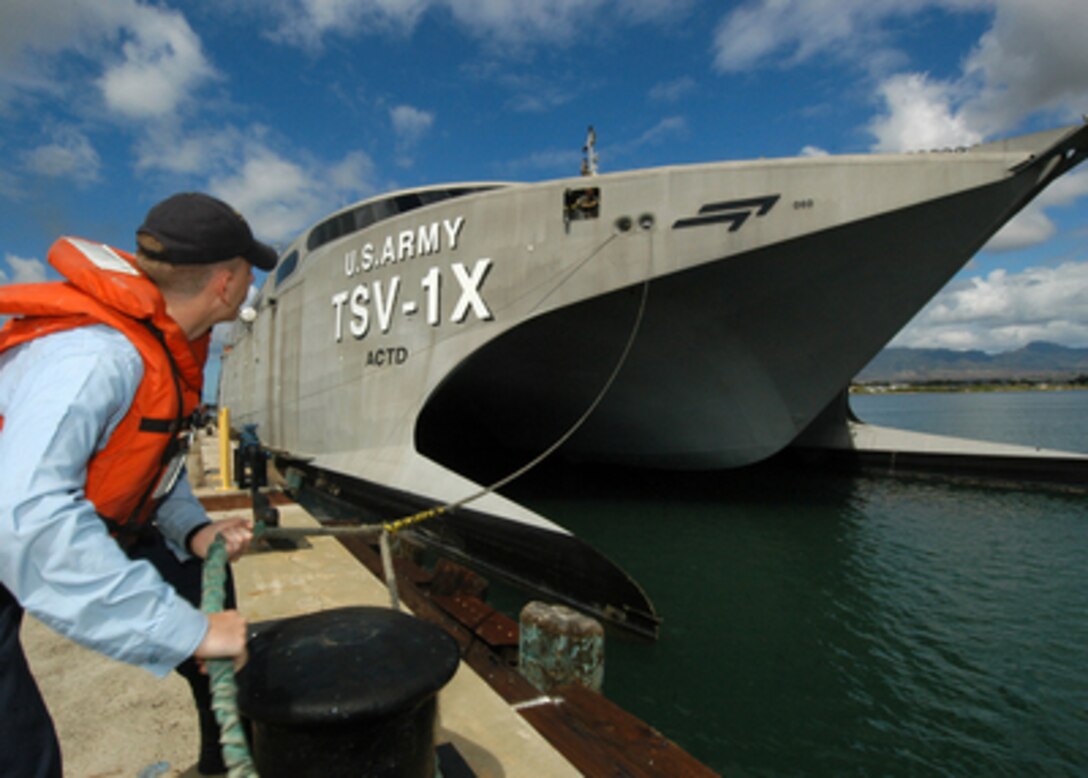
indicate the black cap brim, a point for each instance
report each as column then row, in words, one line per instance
column 262, row 256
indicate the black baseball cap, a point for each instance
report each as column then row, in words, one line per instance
column 197, row 229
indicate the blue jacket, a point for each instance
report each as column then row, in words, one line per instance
column 61, row 396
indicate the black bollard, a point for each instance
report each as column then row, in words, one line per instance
column 345, row 692
column 250, row 460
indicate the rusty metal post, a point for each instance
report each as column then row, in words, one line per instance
column 558, row 646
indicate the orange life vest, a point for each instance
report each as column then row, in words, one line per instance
column 104, row 286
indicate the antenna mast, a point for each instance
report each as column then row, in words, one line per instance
column 589, row 160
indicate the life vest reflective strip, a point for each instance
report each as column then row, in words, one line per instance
column 104, row 286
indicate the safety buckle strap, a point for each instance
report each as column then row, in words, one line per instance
column 162, row 426
column 127, row 535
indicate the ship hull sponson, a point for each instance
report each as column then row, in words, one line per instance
column 731, row 359
column 556, row 565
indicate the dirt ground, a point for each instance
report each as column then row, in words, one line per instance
column 112, row 719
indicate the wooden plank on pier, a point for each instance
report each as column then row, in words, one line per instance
column 622, row 745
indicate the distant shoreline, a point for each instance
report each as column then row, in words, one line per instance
column 905, row 387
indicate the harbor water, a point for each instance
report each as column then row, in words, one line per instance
column 819, row 623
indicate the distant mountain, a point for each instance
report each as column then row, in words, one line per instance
column 1038, row 361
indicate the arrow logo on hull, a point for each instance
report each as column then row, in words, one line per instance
column 736, row 212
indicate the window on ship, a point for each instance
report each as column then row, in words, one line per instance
column 581, row 203
column 286, row 267
column 364, row 215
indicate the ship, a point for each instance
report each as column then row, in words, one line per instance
column 689, row 317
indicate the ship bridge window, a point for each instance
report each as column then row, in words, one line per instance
column 286, row 267
column 361, row 217
column 582, row 203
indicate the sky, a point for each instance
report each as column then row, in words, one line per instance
column 289, row 109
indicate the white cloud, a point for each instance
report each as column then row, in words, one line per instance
column 279, row 197
column 748, row 35
column 813, row 151
column 117, row 65
column 34, row 30
column 671, row 91
column 656, row 11
column 69, row 155
column 196, row 152
column 1066, row 189
column 1033, row 59
column 308, row 22
column 919, row 116
column 513, row 20
column 1028, row 228
column 23, row 271
column 556, row 21
column 410, row 124
column 669, row 127
column 1003, row 311
column 353, row 175
column 789, row 32
column 160, row 64
column 279, row 193
column 540, row 100
column 1032, row 226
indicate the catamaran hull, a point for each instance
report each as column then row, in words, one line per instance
column 696, row 317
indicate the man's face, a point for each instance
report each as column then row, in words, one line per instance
column 241, row 278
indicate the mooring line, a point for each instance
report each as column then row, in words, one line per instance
column 224, row 688
column 570, row 273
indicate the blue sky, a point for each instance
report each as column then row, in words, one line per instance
column 291, row 108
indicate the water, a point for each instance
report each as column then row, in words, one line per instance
column 1044, row 419
column 820, row 624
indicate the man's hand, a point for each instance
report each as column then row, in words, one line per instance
column 225, row 638
column 236, row 532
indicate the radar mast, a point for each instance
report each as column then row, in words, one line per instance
column 589, row 151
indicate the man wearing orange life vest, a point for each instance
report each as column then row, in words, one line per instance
column 98, row 376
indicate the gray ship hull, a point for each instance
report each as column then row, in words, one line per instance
column 733, row 301
column 732, row 359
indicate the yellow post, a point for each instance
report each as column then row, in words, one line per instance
column 226, row 461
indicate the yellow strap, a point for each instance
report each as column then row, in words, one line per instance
column 393, row 527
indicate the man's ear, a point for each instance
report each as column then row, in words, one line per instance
column 221, row 281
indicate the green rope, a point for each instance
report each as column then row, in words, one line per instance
column 221, row 671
